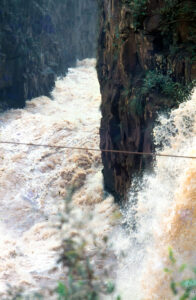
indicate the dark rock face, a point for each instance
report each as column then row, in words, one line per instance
column 146, row 55
column 39, row 40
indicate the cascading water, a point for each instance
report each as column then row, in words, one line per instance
column 34, row 180
column 165, row 213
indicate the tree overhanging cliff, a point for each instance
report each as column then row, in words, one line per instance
column 39, row 40
column 146, row 63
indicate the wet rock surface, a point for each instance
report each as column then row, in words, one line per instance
column 40, row 40
column 130, row 46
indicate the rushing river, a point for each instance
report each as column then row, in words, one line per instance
column 164, row 213
column 34, row 181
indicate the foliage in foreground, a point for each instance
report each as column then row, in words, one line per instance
column 81, row 280
column 185, row 289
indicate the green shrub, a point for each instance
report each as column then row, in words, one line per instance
column 155, row 82
column 184, row 288
column 174, row 13
column 139, row 10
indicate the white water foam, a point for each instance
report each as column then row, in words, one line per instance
column 34, row 181
column 165, row 213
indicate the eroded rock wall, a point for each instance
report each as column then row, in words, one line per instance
column 146, row 61
column 39, row 40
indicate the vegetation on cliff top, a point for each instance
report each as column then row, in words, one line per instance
column 139, row 10
column 176, row 42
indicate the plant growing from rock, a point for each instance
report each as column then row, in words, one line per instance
column 139, row 10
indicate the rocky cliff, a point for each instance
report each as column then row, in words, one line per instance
column 146, row 63
column 39, row 40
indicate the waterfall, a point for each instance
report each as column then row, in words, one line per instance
column 34, row 182
column 161, row 213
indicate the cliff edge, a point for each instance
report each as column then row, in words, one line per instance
column 146, row 63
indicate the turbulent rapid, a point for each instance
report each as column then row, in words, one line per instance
column 163, row 207
column 34, row 181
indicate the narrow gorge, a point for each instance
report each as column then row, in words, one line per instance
column 40, row 40
column 79, row 79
